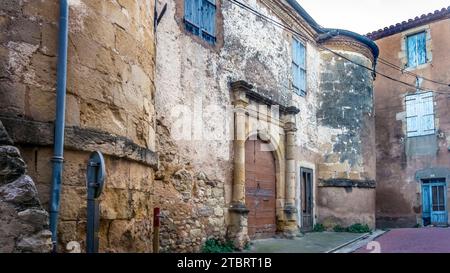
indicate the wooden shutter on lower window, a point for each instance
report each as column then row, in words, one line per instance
column 412, row 116
column 420, row 114
column 426, row 124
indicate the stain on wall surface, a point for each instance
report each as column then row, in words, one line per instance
column 346, row 102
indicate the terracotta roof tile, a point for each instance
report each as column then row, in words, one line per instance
column 411, row 23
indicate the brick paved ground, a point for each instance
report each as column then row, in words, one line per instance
column 423, row 240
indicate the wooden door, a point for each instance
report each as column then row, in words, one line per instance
column 260, row 190
column 306, row 197
column 434, row 202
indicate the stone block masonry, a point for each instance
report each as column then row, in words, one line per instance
column 110, row 108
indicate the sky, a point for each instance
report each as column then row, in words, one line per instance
column 364, row 16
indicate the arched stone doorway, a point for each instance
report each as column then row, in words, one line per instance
column 260, row 190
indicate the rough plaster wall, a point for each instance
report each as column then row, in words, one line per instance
column 347, row 139
column 345, row 114
column 110, row 88
column 197, row 173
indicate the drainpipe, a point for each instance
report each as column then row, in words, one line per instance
column 58, row 154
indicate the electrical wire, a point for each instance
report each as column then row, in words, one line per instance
column 404, row 71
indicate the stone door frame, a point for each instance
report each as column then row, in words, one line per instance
column 283, row 144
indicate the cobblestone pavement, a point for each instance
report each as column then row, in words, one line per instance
column 412, row 240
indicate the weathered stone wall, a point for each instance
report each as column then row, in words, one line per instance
column 399, row 158
column 346, row 171
column 110, row 107
column 23, row 221
column 194, row 183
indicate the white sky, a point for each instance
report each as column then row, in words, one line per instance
column 363, row 16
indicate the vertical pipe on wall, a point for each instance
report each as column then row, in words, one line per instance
column 58, row 154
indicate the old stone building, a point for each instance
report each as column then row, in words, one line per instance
column 412, row 122
column 109, row 108
column 239, row 119
column 262, row 130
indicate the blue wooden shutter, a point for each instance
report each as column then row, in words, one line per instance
column 412, row 116
column 426, row 197
column 209, row 20
column 299, row 67
column 302, row 69
column 417, row 49
column 295, row 65
column 426, row 121
column 192, row 15
column 421, row 48
column 420, row 115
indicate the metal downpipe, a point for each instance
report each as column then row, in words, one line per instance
column 58, row 154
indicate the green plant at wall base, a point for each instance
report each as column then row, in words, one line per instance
column 247, row 246
column 319, row 228
column 359, row 228
column 339, row 228
column 215, row 246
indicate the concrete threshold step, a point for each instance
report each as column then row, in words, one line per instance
column 357, row 243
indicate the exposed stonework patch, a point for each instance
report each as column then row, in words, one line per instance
column 23, row 222
column 191, row 202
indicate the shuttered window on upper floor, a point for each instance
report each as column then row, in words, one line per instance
column 417, row 49
column 200, row 18
column 299, row 67
column 420, row 114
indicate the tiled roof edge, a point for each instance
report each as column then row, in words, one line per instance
column 411, row 23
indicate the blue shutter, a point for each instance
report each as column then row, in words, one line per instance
column 417, row 49
column 420, row 115
column 302, row 69
column 427, row 125
column 412, row 51
column 426, row 197
column 299, row 67
column 421, row 48
column 208, row 20
column 412, row 116
column 295, row 65
column 192, row 15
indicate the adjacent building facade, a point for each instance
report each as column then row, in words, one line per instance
column 412, row 122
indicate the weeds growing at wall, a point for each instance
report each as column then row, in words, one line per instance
column 356, row 228
column 216, row 246
column 319, row 228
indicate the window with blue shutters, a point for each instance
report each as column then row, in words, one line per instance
column 420, row 114
column 299, row 67
column 200, row 18
column 417, row 49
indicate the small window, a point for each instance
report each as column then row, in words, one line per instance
column 200, row 18
column 417, row 49
column 420, row 114
column 299, row 67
